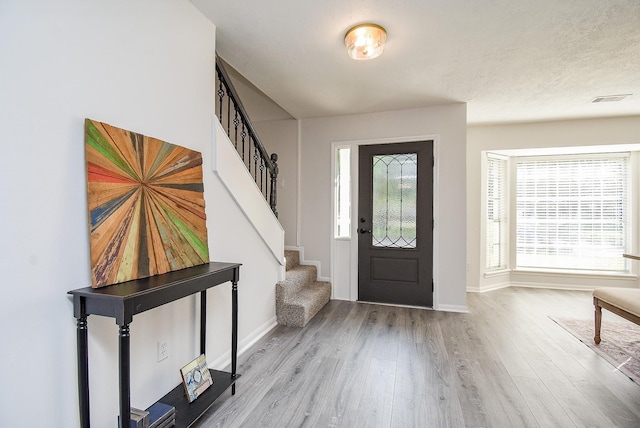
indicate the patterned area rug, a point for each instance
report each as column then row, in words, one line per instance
column 620, row 342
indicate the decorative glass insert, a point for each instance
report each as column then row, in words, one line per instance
column 394, row 200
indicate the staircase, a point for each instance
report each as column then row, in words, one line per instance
column 300, row 296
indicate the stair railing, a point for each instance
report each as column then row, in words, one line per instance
column 234, row 119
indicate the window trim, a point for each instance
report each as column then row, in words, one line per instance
column 347, row 182
column 505, row 228
column 524, row 277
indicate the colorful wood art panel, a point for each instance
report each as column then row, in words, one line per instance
column 146, row 205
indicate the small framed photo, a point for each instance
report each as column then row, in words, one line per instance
column 196, row 378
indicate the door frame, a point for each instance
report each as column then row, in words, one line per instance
column 352, row 242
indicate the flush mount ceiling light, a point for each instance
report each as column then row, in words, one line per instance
column 365, row 41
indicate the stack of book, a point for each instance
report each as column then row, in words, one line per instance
column 139, row 418
column 161, row 415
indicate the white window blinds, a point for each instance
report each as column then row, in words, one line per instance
column 572, row 213
column 496, row 225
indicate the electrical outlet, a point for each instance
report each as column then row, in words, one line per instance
column 163, row 350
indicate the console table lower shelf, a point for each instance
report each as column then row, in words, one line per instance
column 188, row 413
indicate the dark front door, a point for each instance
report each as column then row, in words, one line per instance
column 395, row 223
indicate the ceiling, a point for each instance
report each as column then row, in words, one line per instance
column 509, row 60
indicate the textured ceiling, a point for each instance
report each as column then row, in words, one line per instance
column 509, row 60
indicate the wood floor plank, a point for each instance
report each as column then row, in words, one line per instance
column 376, row 403
column 311, row 396
column 423, row 390
column 582, row 411
column 504, row 404
column 288, row 387
column 615, row 410
column 472, row 403
column 341, row 409
column 543, row 405
column 511, row 355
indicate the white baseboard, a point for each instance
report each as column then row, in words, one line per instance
column 572, row 287
column 491, row 287
column 453, row 308
column 394, row 305
column 554, row 286
column 225, row 359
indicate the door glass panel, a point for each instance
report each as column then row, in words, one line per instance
column 394, row 200
column 343, row 193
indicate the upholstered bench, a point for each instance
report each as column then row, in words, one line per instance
column 621, row 301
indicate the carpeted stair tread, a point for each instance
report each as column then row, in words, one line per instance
column 300, row 276
column 307, row 294
column 300, row 295
column 292, row 258
column 299, row 307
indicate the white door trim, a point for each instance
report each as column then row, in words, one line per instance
column 353, row 242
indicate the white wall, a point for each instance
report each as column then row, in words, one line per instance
column 146, row 66
column 241, row 185
column 570, row 133
column 278, row 132
column 447, row 124
column 281, row 137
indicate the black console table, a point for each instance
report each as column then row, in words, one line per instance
column 123, row 301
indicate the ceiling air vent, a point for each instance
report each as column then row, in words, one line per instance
column 610, row 98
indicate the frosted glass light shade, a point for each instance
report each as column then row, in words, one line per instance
column 365, row 41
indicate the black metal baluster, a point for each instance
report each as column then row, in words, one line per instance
column 235, row 124
column 250, row 156
column 228, row 113
column 262, row 175
column 255, row 162
column 244, row 134
column 273, row 198
column 221, row 94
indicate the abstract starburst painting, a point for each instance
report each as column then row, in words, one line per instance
column 146, row 205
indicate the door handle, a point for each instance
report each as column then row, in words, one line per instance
column 364, row 230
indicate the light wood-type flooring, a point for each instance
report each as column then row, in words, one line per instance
column 503, row 364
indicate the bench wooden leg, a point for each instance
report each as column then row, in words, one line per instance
column 598, row 320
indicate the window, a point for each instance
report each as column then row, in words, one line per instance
column 572, row 212
column 496, row 214
column 343, row 193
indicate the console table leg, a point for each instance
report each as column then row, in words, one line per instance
column 203, row 322
column 234, row 333
column 83, row 371
column 125, row 378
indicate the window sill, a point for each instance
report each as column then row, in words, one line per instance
column 576, row 273
column 494, row 273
